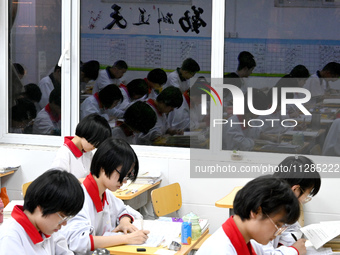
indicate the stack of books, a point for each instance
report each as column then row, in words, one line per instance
column 6, row 169
column 149, row 177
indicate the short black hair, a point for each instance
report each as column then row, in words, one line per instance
column 190, row 65
column 56, row 67
column 298, row 170
column 157, row 75
column 333, row 68
column 137, row 87
column 90, row 69
column 171, row 96
column 120, row 64
column 140, row 116
column 109, row 94
column 55, row 97
column 24, row 109
column 299, row 71
column 269, row 194
column 19, row 68
column 245, row 59
column 55, row 191
column 113, row 153
column 94, row 128
column 33, row 92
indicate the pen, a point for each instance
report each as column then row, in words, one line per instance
column 127, row 192
column 294, row 237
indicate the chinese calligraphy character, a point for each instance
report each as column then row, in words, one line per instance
column 142, row 20
column 94, row 19
column 117, row 18
column 166, row 19
column 194, row 22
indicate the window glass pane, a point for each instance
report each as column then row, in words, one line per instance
column 280, row 57
column 143, row 48
column 34, row 51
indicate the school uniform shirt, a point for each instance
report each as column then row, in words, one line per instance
column 175, row 80
column 98, row 217
column 228, row 240
column 281, row 245
column 126, row 135
column 93, row 105
column 19, row 236
column 73, row 160
column 46, row 85
column 45, row 123
column 104, row 78
column 331, row 146
column 158, row 130
column 316, row 85
column 238, row 136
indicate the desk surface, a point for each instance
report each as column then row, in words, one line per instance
column 7, row 173
column 140, row 187
column 132, row 250
column 227, row 201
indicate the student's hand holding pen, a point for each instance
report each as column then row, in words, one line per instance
column 300, row 246
column 137, row 237
column 125, row 226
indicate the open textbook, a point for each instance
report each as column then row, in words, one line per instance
column 320, row 233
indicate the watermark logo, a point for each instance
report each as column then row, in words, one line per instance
column 204, row 98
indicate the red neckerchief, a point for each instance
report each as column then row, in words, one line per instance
column 187, row 97
column 152, row 103
column 241, row 118
column 124, row 87
column 92, row 188
column 20, row 217
column 96, row 96
column 149, row 87
column 231, row 230
column 126, row 130
column 73, row 148
column 52, row 117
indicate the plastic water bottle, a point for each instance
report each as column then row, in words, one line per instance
column 1, row 211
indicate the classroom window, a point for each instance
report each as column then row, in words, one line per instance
column 34, row 51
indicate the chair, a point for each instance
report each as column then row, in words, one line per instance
column 24, row 188
column 167, row 199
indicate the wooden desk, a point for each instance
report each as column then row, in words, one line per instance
column 5, row 174
column 140, row 187
column 227, row 201
column 132, row 250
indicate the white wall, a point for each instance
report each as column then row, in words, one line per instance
column 199, row 195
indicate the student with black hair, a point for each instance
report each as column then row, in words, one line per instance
column 22, row 114
column 102, row 102
column 318, row 83
column 103, row 215
column 236, row 134
column 305, row 184
column 180, row 78
column 135, row 90
column 263, row 208
column 50, row 201
column 33, row 93
column 49, row 83
column 138, row 118
column 75, row 155
column 169, row 99
column 20, row 70
column 88, row 74
column 48, row 120
column 155, row 79
column 110, row 75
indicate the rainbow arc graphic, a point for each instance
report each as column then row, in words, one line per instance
column 210, row 94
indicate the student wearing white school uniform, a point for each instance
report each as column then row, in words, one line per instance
column 75, row 155
column 236, row 133
column 138, row 118
column 169, row 99
column 49, row 83
column 110, row 75
column 50, row 201
column 318, row 83
column 305, row 184
column 263, row 208
column 180, row 78
column 103, row 215
column 331, row 146
column 102, row 103
column 155, row 79
column 135, row 90
column 48, row 120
